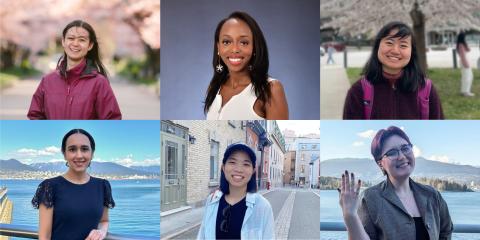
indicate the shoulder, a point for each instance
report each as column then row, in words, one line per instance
column 425, row 189
column 99, row 181
column 96, row 76
column 52, row 181
column 374, row 191
column 357, row 86
column 276, row 86
column 261, row 201
column 52, row 76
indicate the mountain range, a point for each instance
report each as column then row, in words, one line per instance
column 367, row 170
column 106, row 168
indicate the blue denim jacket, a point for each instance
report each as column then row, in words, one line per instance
column 257, row 224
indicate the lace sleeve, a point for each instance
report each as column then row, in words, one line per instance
column 107, row 195
column 44, row 195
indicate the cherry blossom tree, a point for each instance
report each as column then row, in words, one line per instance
column 355, row 17
column 124, row 28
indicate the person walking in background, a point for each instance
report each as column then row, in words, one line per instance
column 467, row 73
column 330, row 52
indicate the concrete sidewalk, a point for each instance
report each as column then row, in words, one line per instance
column 334, row 85
column 180, row 222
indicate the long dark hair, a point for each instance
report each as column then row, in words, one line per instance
column 80, row 131
column 461, row 40
column 413, row 75
column 259, row 62
column 93, row 56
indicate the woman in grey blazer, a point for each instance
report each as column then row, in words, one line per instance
column 397, row 208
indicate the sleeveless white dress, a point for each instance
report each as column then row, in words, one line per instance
column 239, row 107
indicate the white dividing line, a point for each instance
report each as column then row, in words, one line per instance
column 282, row 223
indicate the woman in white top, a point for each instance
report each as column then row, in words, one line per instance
column 467, row 73
column 240, row 88
column 236, row 211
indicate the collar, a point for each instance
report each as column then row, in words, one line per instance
column 392, row 78
column 250, row 199
column 420, row 194
column 77, row 70
column 84, row 69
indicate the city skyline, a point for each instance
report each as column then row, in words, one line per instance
column 123, row 142
column 444, row 141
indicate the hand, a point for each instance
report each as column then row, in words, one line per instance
column 349, row 195
column 96, row 234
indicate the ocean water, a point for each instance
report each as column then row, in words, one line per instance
column 463, row 208
column 137, row 209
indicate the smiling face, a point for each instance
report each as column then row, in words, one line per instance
column 238, row 169
column 394, row 53
column 78, row 152
column 397, row 167
column 76, row 43
column 235, row 45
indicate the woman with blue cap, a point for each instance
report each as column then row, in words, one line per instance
column 236, row 211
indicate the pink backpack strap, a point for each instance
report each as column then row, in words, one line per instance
column 367, row 88
column 423, row 99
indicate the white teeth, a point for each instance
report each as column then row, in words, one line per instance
column 403, row 165
column 237, row 177
column 235, row 59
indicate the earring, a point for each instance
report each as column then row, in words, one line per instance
column 219, row 67
column 66, row 164
column 250, row 68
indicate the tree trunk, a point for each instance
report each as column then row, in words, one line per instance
column 152, row 63
column 7, row 52
column 418, row 19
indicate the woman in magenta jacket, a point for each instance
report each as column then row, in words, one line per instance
column 79, row 88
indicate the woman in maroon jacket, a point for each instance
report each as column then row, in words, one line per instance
column 79, row 88
column 393, row 83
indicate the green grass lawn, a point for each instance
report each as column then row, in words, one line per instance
column 10, row 75
column 447, row 83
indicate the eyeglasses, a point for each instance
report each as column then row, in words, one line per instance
column 224, row 225
column 394, row 153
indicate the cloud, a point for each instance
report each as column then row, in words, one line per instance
column 148, row 162
column 367, row 134
column 56, row 160
column 30, row 152
column 440, row 158
column 358, row 143
column 126, row 161
column 52, row 149
column 416, row 151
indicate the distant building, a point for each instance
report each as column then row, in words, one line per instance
column 308, row 149
column 277, row 155
column 192, row 153
column 289, row 168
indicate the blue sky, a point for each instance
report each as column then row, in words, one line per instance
column 446, row 141
column 124, row 142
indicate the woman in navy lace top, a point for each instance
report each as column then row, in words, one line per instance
column 74, row 205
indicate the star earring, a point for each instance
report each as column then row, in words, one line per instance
column 219, row 67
